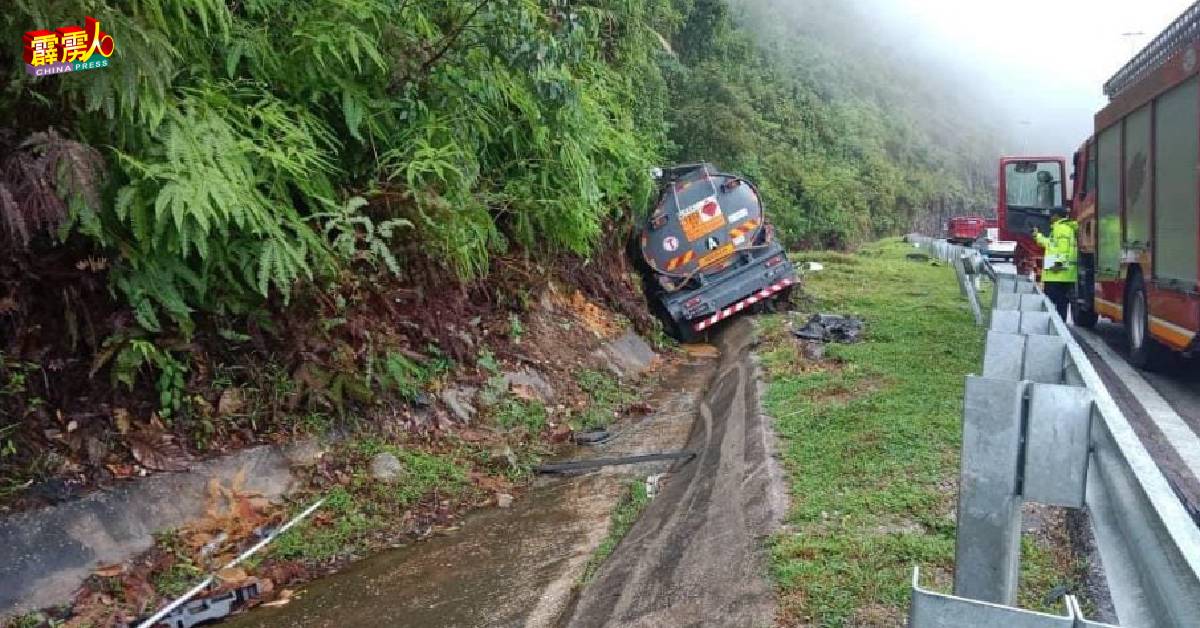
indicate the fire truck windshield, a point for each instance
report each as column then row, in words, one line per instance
column 1034, row 185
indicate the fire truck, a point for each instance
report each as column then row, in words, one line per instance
column 1137, row 198
column 1030, row 189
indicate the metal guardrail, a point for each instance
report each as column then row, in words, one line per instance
column 1039, row 425
column 931, row 609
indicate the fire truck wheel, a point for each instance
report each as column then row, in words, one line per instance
column 683, row 332
column 1144, row 350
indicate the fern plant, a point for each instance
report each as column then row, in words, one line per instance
column 354, row 236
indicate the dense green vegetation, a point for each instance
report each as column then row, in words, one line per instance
column 233, row 149
column 252, row 145
column 237, row 154
column 847, row 143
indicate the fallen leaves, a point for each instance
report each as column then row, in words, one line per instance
column 121, row 420
column 284, row 597
column 525, row 392
column 491, row 483
column 639, row 408
column 120, row 471
column 233, row 576
column 231, row 515
column 473, row 435
column 230, row 402
column 157, row 451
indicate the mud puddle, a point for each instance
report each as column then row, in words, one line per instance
column 504, row 567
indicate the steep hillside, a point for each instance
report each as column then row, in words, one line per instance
column 303, row 191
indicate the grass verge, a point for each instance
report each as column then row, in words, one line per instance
column 872, row 436
column 623, row 517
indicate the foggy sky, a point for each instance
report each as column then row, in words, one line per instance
column 1041, row 64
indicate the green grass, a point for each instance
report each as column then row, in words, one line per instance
column 366, row 506
column 606, row 394
column 623, row 517
column 32, row 619
column 872, row 439
column 513, row 413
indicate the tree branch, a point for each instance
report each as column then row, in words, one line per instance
column 444, row 47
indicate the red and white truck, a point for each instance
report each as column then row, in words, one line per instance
column 1137, row 198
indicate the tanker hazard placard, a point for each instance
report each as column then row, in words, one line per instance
column 701, row 218
column 717, row 256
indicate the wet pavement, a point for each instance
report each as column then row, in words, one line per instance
column 1163, row 406
column 696, row 557
column 504, row 567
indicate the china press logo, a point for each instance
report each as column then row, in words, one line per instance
column 67, row 49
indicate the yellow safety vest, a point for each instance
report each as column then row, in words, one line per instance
column 1060, row 246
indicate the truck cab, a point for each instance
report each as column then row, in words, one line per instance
column 1030, row 189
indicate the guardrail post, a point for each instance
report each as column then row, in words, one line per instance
column 1026, row 433
column 988, row 543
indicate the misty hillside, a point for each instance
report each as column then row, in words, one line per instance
column 855, row 135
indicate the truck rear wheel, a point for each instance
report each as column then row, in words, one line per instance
column 1144, row 351
column 679, row 330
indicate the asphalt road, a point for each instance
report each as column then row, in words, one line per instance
column 1163, row 406
column 696, row 555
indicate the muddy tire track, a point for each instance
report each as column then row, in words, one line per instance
column 696, row 557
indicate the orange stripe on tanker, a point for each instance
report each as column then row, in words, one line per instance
column 742, row 229
column 680, row 260
column 1175, row 336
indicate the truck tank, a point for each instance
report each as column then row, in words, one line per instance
column 707, row 251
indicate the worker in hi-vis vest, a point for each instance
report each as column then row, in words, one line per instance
column 1059, row 268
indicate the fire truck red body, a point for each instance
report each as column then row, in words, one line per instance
column 1137, row 198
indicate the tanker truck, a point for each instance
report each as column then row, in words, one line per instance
column 706, row 252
